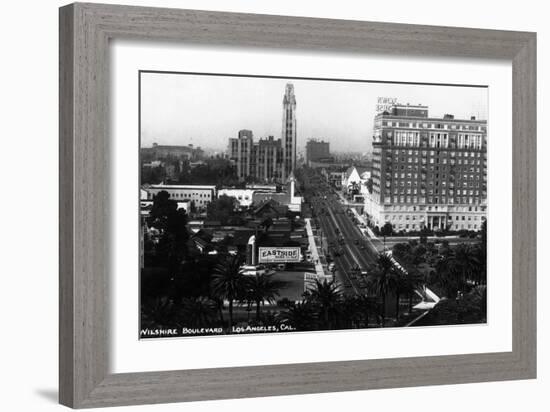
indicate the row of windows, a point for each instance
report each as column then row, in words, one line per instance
column 421, row 218
column 186, row 195
column 425, row 125
column 413, row 226
column 433, row 153
column 425, row 176
column 433, row 200
column 438, row 140
column 452, row 162
column 472, row 186
column 429, row 172
column 451, row 192
column 402, row 138
column 466, row 141
column 457, row 209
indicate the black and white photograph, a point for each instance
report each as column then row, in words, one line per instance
column 284, row 205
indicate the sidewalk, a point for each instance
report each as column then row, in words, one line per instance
column 358, row 216
column 320, row 272
column 362, row 219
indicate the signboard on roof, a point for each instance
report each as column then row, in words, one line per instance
column 278, row 254
column 384, row 104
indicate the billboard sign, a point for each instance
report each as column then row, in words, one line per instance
column 385, row 103
column 278, row 254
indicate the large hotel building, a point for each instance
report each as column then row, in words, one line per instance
column 428, row 172
column 268, row 159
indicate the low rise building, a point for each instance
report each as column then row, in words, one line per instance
column 199, row 195
column 287, row 198
column 336, row 178
column 354, row 182
column 244, row 197
column 158, row 151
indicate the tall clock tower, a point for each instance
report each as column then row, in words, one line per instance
column 289, row 132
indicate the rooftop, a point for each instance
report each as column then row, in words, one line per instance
column 163, row 186
column 408, row 111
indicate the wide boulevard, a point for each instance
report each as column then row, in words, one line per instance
column 352, row 251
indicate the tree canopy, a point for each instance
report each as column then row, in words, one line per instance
column 221, row 209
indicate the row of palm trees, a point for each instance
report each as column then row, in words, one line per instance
column 450, row 270
column 324, row 305
column 386, row 279
column 229, row 284
column 198, row 294
column 457, row 273
column 461, row 270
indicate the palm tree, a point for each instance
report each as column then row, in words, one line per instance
column 383, row 280
column 407, row 284
column 347, row 313
column 367, row 305
column 413, row 281
column 454, row 271
column 262, row 288
column 386, row 230
column 480, row 273
column 228, row 282
column 445, row 278
column 158, row 312
column 198, row 311
column 353, row 311
column 300, row 316
column 400, row 289
column 327, row 295
column 467, row 262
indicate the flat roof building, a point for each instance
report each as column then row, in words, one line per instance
column 158, row 151
column 200, row 195
column 243, row 196
column 317, row 150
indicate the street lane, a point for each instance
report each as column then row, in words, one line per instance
column 367, row 257
column 347, row 245
column 343, row 262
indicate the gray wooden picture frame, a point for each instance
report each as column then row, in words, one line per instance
column 85, row 31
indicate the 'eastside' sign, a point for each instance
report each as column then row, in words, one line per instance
column 278, row 254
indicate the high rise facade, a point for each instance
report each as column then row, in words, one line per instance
column 269, row 159
column 428, row 172
column 289, row 135
column 261, row 160
column 240, row 150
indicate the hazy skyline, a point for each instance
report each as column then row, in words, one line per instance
column 205, row 110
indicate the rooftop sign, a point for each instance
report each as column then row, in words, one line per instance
column 278, row 254
column 385, row 103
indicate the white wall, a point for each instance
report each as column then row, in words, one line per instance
column 28, row 96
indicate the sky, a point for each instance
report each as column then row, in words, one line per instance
column 205, row 110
